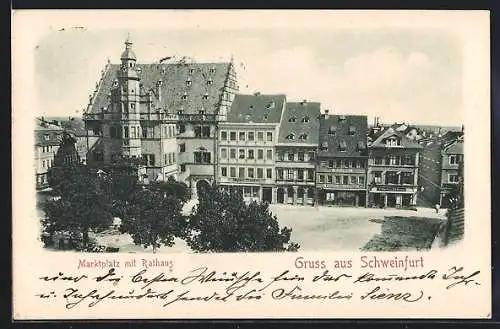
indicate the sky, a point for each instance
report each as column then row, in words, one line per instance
column 398, row 74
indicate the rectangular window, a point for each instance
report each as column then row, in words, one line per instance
column 361, row 180
column 346, row 163
column 354, row 180
column 260, row 154
column 300, row 175
column 241, row 154
column 358, row 164
column 260, row 136
column 338, row 180
column 453, row 160
column 377, row 177
column 232, row 153
column 205, row 131
column 290, row 174
column 232, row 135
column 378, row 160
column 223, row 135
column 321, row 178
column 408, row 160
column 197, row 131
column 311, row 155
column 223, row 153
column 300, row 156
column 223, row 171
column 291, row 156
column 197, row 157
column 125, row 132
column 241, row 136
column 260, row 173
column 232, row 172
column 173, row 157
column 269, row 154
column 148, row 159
column 43, row 164
column 250, row 173
column 330, row 163
column 345, row 180
column 241, row 172
column 207, row 157
column 353, row 163
column 281, row 156
column 407, row 178
column 182, row 147
column 182, row 128
column 251, row 154
column 269, row 173
column 330, row 179
column 279, row 174
column 251, row 136
column 339, row 163
column 269, row 136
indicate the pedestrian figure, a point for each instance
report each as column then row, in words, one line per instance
column 437, row 208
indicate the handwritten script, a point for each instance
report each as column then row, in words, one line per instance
column 160, row 286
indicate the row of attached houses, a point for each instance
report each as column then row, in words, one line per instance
column 187, row 120
column 441, row 167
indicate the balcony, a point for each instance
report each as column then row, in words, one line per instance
column 295, row 181
column 245, row 180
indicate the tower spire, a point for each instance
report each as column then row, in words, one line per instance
column 128, row 41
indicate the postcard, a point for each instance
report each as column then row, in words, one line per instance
column 177, row 164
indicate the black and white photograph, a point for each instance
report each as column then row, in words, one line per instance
column 241, row 141
column 295, row 151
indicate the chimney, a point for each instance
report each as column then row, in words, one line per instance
column 158, row 89
column 304, row 101
column 462, row 128
column 257, row 93
column 326, row 114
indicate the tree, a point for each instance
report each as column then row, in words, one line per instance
column 223, row 222
column 82, row 204
column 153, row 219
column 172, row 187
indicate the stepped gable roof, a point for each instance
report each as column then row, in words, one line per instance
column 343, row 135
column 257, row 108
column 189, row 87
column 300, row 121
column 378, row 140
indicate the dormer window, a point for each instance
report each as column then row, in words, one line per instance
column 184, row 97
column 210, row 82
column 132, row 105
column 202, row 112
column 303, row 137
column 292, row 119
column 251, row 107
column 115, row 83
column 205, row 97
column 180, row 112
column 361, row 145
column 332, row 131
column 46, row 137
column 191, row 71
column 212, row 70
column 342, row 146
column 188, row 83
column 352, row 130
column 290, row 137
column 324, row 146
column 265, row 116
column 305, row 119
column 342, row 118
column 392, row 141
column 271, row 105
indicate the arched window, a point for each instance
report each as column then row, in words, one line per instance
column 303, row 137
column 292, row 119
column 290, row 136
column 305, row 119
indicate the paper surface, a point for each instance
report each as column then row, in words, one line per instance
column 452, row 282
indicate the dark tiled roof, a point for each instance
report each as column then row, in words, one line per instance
column 300, row 119
column 203, row 92
column 378, row 140
column 340, row 125
column 71, row 124
column 47, row 134
column 257, row 108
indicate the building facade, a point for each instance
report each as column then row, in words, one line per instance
column 47, row 139
column 392, row 169
column 164, row 113
column 296, row 153
column 341, row 172
column 441, row 168
column 246, row 146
